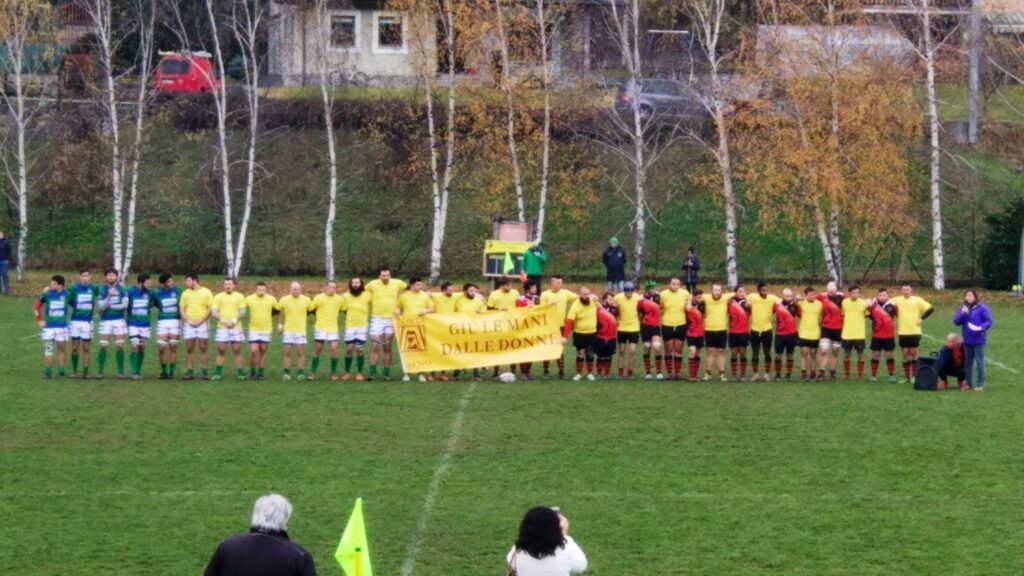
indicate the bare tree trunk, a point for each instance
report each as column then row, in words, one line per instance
column 145, row 55
column 247, row 34
column 21, row 159
column 510, row 121
column 974, row 79
column 725, row 167
column 441, row 182
column 327, row 95
column 835, row 247
column 220, row 105
column 826, row 244
column 545, row 162
column 936, row 151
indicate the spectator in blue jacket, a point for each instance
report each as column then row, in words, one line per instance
column 975, row 318
column 614, row 260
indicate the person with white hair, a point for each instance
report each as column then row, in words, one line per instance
column 266, row 549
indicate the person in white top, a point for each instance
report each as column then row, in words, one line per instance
column 544, row 547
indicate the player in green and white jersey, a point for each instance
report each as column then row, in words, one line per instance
column 166, row 299
column 113, row 304
column 82, row 297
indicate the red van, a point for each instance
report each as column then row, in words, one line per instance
column 185, row 73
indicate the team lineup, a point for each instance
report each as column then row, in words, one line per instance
column 661, row 326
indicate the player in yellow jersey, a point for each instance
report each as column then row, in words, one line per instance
column 291, row 325
column 356, row 305
column 384, row 292
column 412, row 304
column 716, row 329
column 560, row 297
column 762, row 310
column 262, row 307
column 628, row 302
column 327, row 307
column 809, row 333
column 470, row 302
column 910, row 313
column 229, row 308
column 195, row 303
column 674, row 302
column 855, row 312
column 504, row 298
column 444, row 303
column 581, row 321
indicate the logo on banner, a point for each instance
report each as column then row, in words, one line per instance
column 413, row 338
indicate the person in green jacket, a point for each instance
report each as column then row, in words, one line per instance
column 534, row 261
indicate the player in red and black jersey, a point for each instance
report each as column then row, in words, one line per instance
column 831, row 330
column 883, row 334
column 786, row 313
column 695, row 333
column 739, row 333
column 607, row 333
column 529, row 297
column 649, row 309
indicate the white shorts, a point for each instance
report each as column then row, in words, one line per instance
column 293, row 338
column 171, row 328
column 259, row 337
column 55, row 334
column 827, row 343
column 356, row 335
column 232, row 335
column 139, row 333
column 116, row 327
column 382, row 327
column 81, row 329
column 322, row 336
column 190, row 332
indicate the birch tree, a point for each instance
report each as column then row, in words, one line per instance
column 545, row 18
column 708, row 17
column 327, row 73
column 505, row 81
column 145, row 23
column 22, row 22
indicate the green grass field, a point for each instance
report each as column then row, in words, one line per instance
column 116, row 477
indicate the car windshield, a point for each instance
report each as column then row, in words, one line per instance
column 174, row 67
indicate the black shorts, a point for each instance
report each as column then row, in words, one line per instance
column 805, row 343
column 910, row 341
column 785, row 344
column 737, row 340
column 883, row 344
column 833, row 334
column 647, row 333
column 715, row 338
column 849, row 345
column 604, row 348
column 627, row 337
column 761, row 340
column 695, row 341
column 674, row 332
column 584, row 341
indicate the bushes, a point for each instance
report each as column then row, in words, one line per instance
column 1000, row 251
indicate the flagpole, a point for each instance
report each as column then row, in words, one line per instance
column 359, row 562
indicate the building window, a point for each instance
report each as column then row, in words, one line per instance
column 389, row 35
column 345, row 31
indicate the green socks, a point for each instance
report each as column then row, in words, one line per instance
column 241, row 374
column 102, row 360
column 348, row 363
column 219, row 370
column 170, row 372
column 287, row 371
column 334, row 365
column 135, row 362
column 359, row 363
column 316, row 364
column 387, row 371
column 119, row 355
column 373, row 371
column 74, row 363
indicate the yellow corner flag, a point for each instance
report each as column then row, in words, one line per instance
column 509, row 266
column 353, row 552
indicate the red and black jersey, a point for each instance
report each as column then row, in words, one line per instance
column 607, row 326
column 831, row 311
column 695, row 321
column 650, row 312
column 739, row 316
column 785, row 318
column 527, row 300
column 882, row 320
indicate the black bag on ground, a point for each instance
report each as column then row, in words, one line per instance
column 927, row 376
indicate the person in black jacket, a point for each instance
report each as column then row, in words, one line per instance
column 614, row 260
column 691, row 264
column 266, row 549
column 5, row 262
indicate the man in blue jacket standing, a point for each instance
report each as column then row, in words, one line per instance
column 975, row 318
column 614, row 260
column 5, row 262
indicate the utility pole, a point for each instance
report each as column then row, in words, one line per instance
column 974, row 81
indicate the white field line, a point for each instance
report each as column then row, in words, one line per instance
column 988, row 359
column 113, row 493
column 443, row 464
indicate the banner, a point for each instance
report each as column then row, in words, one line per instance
column 503, row 246
column 437, row 342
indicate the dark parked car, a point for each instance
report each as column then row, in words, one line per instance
column 660, row 97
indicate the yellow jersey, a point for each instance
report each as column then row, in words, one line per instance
column 357, row 309
column 673, row 307
column 629, row 315
column 762, row 310
column 445, row 304
column 854, row 313
column 466, row 305
column 385, row 296
column 261, row 312
column 909, row 312
column 229, row 306
column 328, row 308
column 294, row 309
column 809, row 326
column 499, row 299
column 584, row 317
column 716, row 312
column 562, row 299
column 196, row 303
column 412, row 303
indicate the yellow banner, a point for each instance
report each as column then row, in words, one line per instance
column 459, row 341
column 502, row 246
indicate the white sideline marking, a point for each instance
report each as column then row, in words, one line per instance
column 988, row 359
column 454, row 435
column 110, row 493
